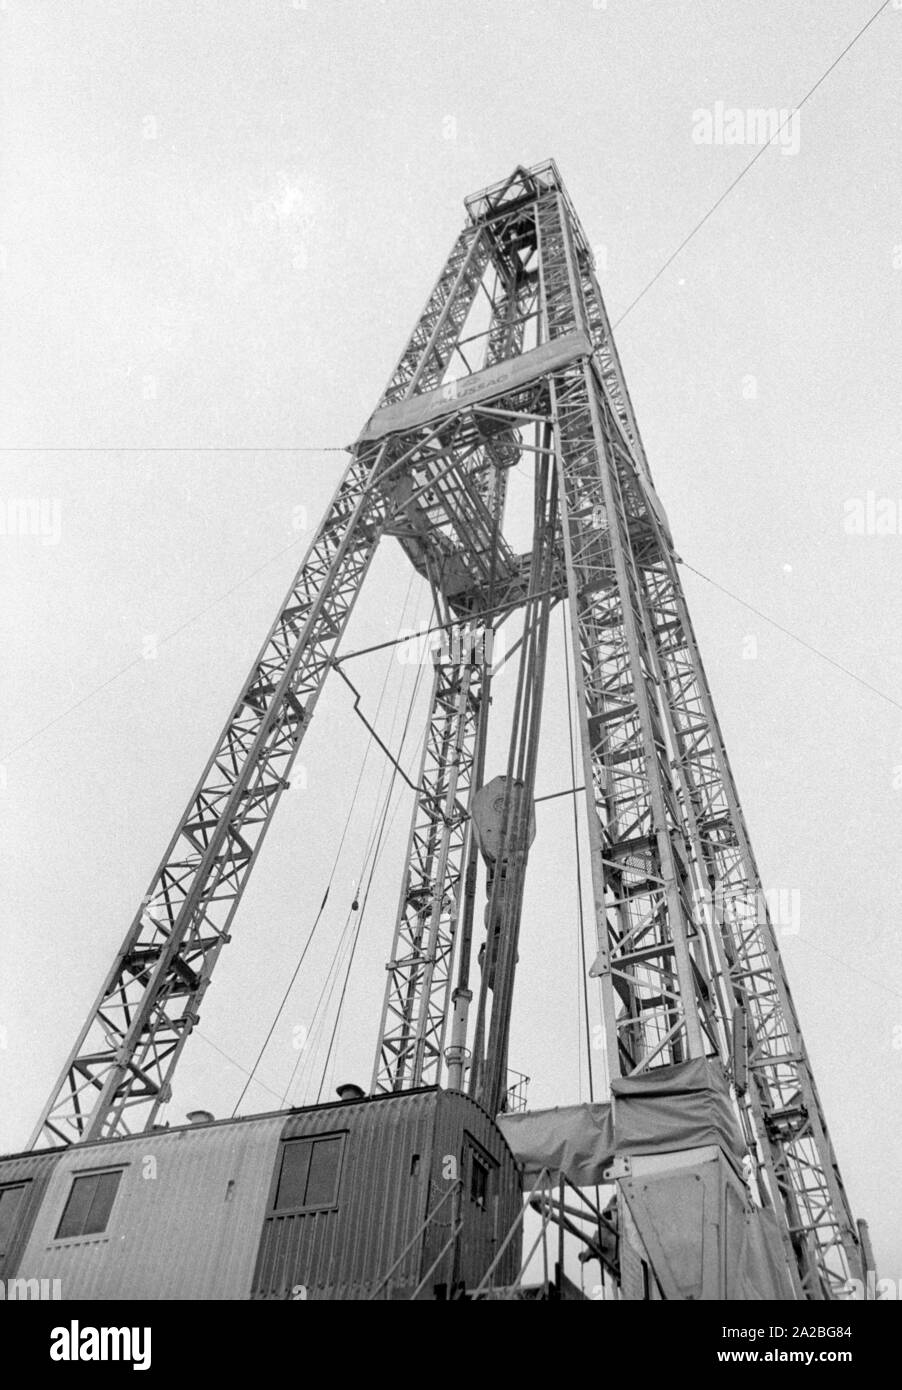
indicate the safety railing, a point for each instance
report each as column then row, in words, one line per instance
column 558, row 1210
column 455, row 1187
column 515, row 1100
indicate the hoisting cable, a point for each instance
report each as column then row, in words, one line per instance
column 479, row 616
column 316, row 921
column 331, row 978
column 307, row 1052
column 795, row 637
column 177, row 449
column 322, row 1004
column 579, row 872
column 266, row 1041
column 384, row 823
column 372, row 732
column 196, row 1033
column 745, row 169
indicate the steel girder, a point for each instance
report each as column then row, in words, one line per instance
column 411, row 1037
column 425, row 357
column 789, row 1124
column 684, row 928
column 466, row 517
column 654, row 969
column 118, row 1074
column 417, row 993
column 442, row 517
column 656, row 972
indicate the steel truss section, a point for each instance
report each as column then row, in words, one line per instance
column 442, row 511
column 119, row 1071
column 654, row 958
column 794, row 1145
column 425, row 357
column 654, row 961
column 459, row 470
column 640, row 670
column 415, row 1007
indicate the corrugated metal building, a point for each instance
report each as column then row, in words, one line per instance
column 23, row 1182
column 328, row 1202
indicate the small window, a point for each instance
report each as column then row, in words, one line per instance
column 90, row 1202
column 308, row 1177
column 479, row 1181
column 478, row 1168
column 10, row 1199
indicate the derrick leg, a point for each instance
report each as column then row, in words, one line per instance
column 788, row 1120
column 117, row 1075
column 415, row 1006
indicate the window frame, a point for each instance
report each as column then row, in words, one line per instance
column 481, row 1198
column 310, row 1140
column 78, row 1175
column 16, row 1185
column 476, row 1154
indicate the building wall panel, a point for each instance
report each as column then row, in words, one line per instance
column 343, row 1253
column 34, row 1170
column 401, row 1155
column 194, row 1213
column 462, row 1123
column 185, row 1223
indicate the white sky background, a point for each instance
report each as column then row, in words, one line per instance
column 220, row 222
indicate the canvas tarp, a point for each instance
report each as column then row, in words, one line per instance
column 680, row 1107
column 756, row 1267
column 577, row 1140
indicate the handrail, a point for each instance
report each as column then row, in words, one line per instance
column 510, row 1235
column 539, row 1199
column 604, row 1221
column 437, row 1261
column 416, row 1236
column 546, row 1207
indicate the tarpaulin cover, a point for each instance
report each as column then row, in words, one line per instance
column 577, row 1140
column 756, row 1265
column 681, row 1107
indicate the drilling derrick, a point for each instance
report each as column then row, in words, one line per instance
column 513, row 359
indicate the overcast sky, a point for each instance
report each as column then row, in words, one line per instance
column 220, row 221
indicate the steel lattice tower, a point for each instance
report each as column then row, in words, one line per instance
column 513, row 354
